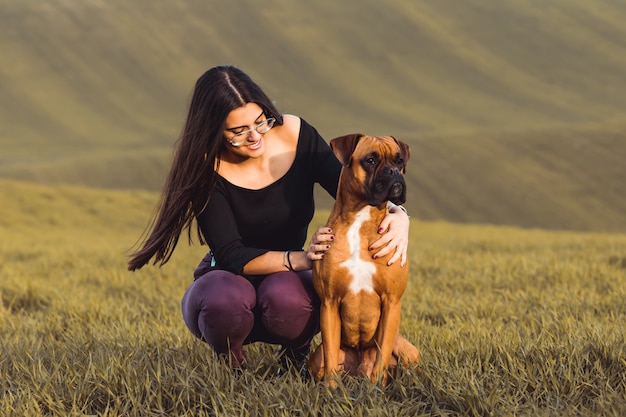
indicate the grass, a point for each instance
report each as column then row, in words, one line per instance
column 508, row 321
column 514, row 112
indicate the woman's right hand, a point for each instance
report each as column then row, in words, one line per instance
column 320, row 243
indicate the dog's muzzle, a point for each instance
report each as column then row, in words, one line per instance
column 396, row 190
column 389, row 185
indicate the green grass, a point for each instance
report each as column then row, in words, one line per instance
column 508, row 321
column 515, row 110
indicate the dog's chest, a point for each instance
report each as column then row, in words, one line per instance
column 360, row 272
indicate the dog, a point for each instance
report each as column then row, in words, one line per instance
column 360, row 296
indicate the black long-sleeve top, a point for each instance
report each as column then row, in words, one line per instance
column 240, row 224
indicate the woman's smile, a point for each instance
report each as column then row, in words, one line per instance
column 256, row 145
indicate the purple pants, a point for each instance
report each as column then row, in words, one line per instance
column 227, row 311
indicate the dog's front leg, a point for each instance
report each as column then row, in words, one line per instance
column 388, row 328
column 330, row 325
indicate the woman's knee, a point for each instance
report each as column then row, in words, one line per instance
column 217, row 296
column 288, row 291
column 289, row 307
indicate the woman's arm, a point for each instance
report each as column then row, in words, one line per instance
column 275, row 261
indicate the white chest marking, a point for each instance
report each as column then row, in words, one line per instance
column 360, row 270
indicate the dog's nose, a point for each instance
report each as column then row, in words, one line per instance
column 390, row 171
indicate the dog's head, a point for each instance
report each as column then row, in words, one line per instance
column 375, row 165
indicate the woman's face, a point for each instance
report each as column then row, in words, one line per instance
column 241, row 130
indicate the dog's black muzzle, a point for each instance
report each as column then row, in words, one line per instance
column 388, row 185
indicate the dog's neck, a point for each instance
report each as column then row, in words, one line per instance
column 347, row 209
column 346, row 206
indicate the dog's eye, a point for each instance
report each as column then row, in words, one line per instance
column 400, row 161
column 370, row 161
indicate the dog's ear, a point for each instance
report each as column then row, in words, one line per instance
column 405, row 152
column 343, row 147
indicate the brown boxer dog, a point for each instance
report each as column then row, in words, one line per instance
column 360, row 296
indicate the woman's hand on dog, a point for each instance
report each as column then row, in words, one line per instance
column 395, row 236
column 320, row 243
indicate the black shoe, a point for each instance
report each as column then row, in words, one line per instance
column 294, row 360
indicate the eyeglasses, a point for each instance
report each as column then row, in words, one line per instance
column 238, row 139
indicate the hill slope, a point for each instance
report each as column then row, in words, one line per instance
column 494, row 97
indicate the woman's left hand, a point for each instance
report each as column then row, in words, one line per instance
column 395, row 236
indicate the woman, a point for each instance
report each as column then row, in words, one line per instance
column 246, row 173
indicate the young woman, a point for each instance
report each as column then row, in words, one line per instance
column 245, row 173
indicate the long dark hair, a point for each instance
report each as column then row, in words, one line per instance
column 192, row 175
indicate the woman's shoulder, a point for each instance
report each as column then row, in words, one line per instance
column 292, row 125
column 298, row 133
column 289, row 131
column 298, row 128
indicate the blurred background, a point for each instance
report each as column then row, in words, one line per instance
column 514, row 110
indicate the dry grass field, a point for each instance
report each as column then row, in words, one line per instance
column 516, row 116
column 509, row 322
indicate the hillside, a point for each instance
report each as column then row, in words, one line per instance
column 551, row 178
column 514, row 110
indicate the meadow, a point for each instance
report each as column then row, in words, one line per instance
column 509, row 322
column 514, row 112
